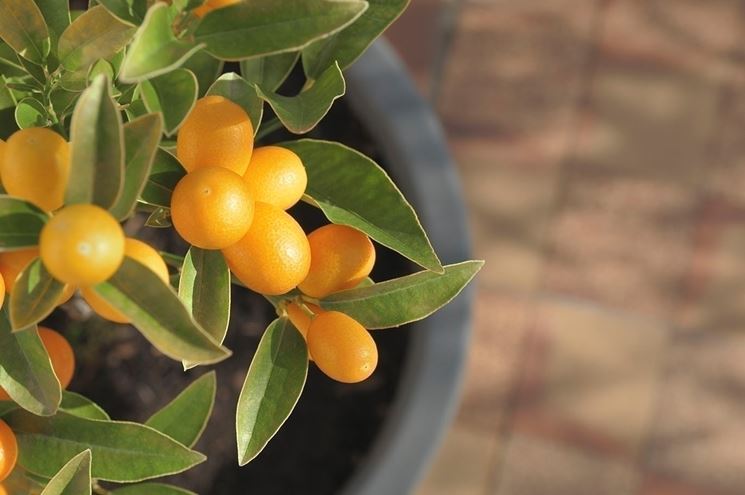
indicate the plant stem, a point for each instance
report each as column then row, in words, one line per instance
column 272, row 126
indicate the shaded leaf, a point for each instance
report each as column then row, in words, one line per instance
column 80, row 406
column 96, row 34
column 164, row 176
column 272, row 388
column 57, row 16
column 270, row 71
column 73, row 479
column 239, row 91
column 159, row 219
column 173, row 94
column 351, row 189
column 34, row 295
column 20, row 223
column 151, row 489
column 22, row 26
column 131, row 12
column 206, row 68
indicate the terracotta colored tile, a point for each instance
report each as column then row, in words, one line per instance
column 462, row 465
column 534, row 466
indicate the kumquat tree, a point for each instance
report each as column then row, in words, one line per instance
column 124, row 110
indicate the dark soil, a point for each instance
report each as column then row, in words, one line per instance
column 334, row 425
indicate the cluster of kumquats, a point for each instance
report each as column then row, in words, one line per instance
column 234, row 198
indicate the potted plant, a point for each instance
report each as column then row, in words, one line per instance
column 124, row 117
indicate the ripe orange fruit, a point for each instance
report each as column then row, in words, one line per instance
column 60, row 353
column 211, row 5
column 2, row 154
column 141, row 252
column 36, row 166
column 300, row 318
column 2, row 290
column 212, row 208
column 341, row 347
column 12, row 263
column 217, row 133
column 340, row 258
column 8, row 450
column 273, row 256
column 82, row 245
column 3, row 491
column 276, row 176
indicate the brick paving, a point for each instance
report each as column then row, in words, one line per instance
column 601, row 148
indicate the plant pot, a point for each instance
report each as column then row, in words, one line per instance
column 370, row 438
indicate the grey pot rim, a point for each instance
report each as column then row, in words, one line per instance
column 402, row 123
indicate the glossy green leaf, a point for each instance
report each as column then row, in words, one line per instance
column 303, row 112
column 239, row 91
column 164, row 176
column 403, row 300
column 35, row 71
column 347, row 45
column 57, row 16
column 206, row 68
column 141, row 139
column 155, row 50
column 270, row 71
column 30, row 112
column 80, row 406
column 351, row 189
column 20, row 223
column 96, row 34
column 173, row 95
column 204, row 288
column 155, row 309
column 185, row 417
column 122, row 452
column 264, row 27
column 22, row 26
column 152, row 489
column 97, row 143
column 25, row 370
column 101, row 67
column 273, row 385
column 131, row 12
column 73, row 479
column 34, row 296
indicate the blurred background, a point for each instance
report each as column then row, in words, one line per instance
column 600, row 144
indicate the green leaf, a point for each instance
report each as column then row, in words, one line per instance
column 97, row 148
column 155, row 50
column 351, row 189
column 63, row 101
column 303, row 112
column 20, row 223
column 164, row 176
column 96, row 34
column 82, row 407
column 101, row 67
column 239, row 91
column 265, row 27
column 73, row 479
column 159, row 219
column 56, row 14
column 269, row 72
column 152, row 489
column 185, row 418
column 347, row 45
column 22, row 26
column 173, row 94
column 25, row 370
column 206, row 68
column 34, row 296
column 204, row 288
column 131, row 12
column 272, row 388
column 141, row 139
column 122, row 452
column 30, row 112
column 155, row 309
column 403, row 300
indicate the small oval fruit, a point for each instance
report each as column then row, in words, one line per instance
column 273, row 256
column 340, row 258
column 2, row 291
column 8, row 450
column 217, row 133
column 141, row 252
column 276, row 176
column 212, row 208
column 60, row 353
column 35, row 167
column 300, row 318
column 82, row 245
column 2, row 155
column 211, row 5
column 341, row 347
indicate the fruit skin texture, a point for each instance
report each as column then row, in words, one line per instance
column 8, row 450
column 2, row 291
column 217, row 133
column 141, row 252
column 60, row 353
column 35, row 167
column 2, row 156
column 340, row 258
column 82, row 245
column 12, row 263
column 273, row 256
column 211, row 5
column 276, row 176
column 341, row 347
column 300, row 318
column 212, row 208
